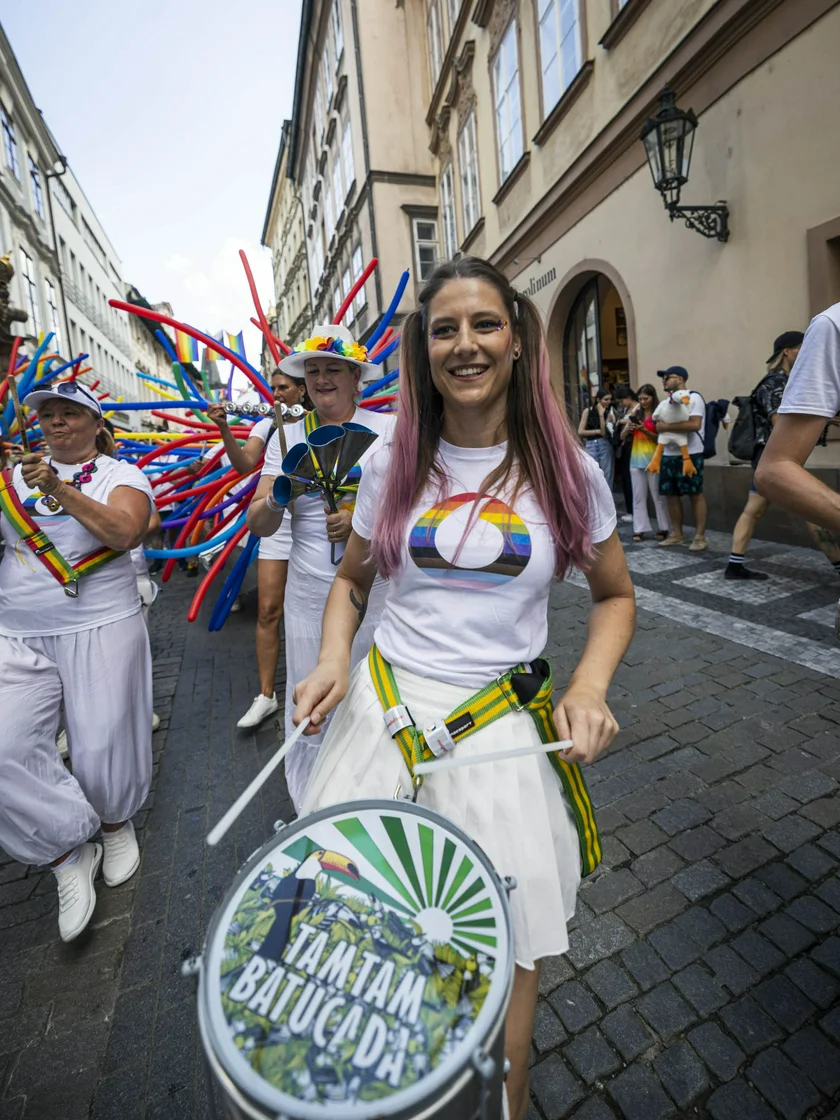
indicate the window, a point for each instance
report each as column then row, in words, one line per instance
column 329, row 213
column 336, row 299
column 327, row 71
column 426, row 250
column 338, row 196
column 10, row 143
column 507, row 104
column 447, row 213
column 30, row 292
column 37, row 193
column 560, row 48
column 357, row 268
column 52, row 308
column 433, row 30
column 346, row 282
column 468, row 160
column 338, row 34
column 320, row 123
column 452, row 9
column 347, row 156
column 64, row 200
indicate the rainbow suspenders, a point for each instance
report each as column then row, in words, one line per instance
column 67, row 574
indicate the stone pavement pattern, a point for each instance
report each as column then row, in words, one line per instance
column 703, row 977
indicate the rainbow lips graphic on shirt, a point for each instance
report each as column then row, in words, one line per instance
column 510, row 562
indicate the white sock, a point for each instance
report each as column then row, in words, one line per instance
column 71, row 859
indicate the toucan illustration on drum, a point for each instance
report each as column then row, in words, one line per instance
column 294, row 891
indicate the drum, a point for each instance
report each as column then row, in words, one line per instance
column 360, row 966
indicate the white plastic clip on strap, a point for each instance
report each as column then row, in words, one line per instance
column 397, row 719
column 438, row 739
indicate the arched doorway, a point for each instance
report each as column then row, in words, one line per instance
column 591, row 334
column 595, row 343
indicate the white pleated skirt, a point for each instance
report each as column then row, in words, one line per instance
column 514, row 809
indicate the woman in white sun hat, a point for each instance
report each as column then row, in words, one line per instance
column 71, row 633
column 332, row 365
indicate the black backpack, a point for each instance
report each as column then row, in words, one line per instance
column 742, row 438
column 715, row 412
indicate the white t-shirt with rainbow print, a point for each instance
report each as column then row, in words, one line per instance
column 460, row 610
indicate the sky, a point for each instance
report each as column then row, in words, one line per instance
column 169, row 113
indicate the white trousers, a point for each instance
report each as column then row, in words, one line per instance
column 303, row 611
column 104, row 678
column 645, row 483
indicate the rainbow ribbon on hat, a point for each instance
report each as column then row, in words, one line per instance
column 333, row 346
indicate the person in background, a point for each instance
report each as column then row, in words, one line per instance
column 596, row 428
column 640, row 442
column 811, row 398
column 767, row 396
column 625, row 402
column 672, row 482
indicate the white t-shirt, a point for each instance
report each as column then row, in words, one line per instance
column 304, row 526
column 467, row 625
column 32, row 601
column 695, row 439
column 813, row 388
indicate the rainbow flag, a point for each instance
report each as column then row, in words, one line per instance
column 214, row 355
column 236, row 343
column 185, row 347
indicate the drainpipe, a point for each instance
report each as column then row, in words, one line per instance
column 366, row 150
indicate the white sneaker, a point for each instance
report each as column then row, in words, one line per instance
column 262, row 707
column 155, row 721
column 627, row 517
column 61, row 743
column 76, row 896
column 122, row 856
column 235, row 606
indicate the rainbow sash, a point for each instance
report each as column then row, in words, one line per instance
column 67, row 574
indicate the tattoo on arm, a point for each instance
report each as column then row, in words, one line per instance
column 825, row 536
column 360, row 603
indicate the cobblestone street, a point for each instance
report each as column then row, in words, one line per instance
column 704, row 971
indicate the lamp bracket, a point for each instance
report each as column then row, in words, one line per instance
column 710, row 221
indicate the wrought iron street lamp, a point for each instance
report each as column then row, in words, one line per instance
column 669, row 141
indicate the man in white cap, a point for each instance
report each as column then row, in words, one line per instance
column 332, row 364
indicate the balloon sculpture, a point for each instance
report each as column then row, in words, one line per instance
column 202, row 502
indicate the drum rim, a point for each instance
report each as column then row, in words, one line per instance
column 265, row 1094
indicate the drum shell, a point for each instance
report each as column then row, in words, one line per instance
column 457, row 1098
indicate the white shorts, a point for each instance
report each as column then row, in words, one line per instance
column 272, row 548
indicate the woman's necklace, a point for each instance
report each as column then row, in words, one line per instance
column 85, row 474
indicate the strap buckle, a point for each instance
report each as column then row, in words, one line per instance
column 438, row 738
column 72, row 589
column 506, row 677
column 397, row 719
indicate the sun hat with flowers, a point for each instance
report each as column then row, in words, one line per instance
column 328, row 340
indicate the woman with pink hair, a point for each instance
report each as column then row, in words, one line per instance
column 482, row 500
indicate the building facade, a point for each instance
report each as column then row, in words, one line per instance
column 29, row 155
column 66, row 269
column 358, row 156
column 283, row 234
column 534, row 119
column 91, row 275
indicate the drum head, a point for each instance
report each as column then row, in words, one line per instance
column 357, row 963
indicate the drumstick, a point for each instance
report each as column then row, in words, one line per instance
column 215, row 834
column 453, row 761
column 21, row 420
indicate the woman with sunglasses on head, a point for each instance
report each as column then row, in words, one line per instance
column 483, row 499
column 71, row 633
column 596, row 428
column 273, row 556
column 331, row 364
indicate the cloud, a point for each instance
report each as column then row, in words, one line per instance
column 213, row 294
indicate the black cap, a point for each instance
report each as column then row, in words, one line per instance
column 787, row 341
column 680, row 371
